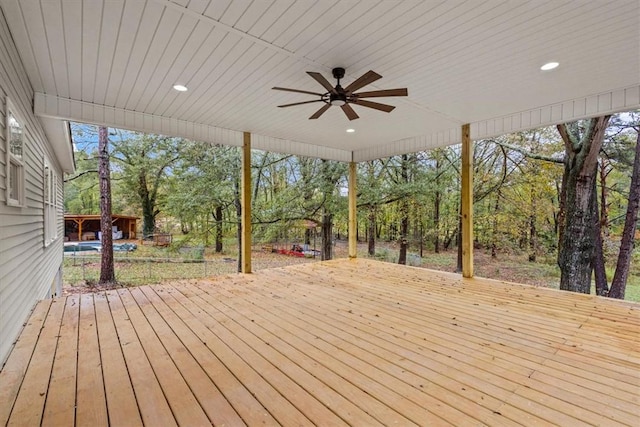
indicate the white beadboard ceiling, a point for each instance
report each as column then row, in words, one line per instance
column 114, row 62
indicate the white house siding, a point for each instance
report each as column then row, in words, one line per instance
column 29, row 271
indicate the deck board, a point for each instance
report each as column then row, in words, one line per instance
column 60, row 405
column 345, row 342
column 14, row 370
column 152, row 404
column 29, row 404
column 121, row 401
column 183, row 403
column 91, row 404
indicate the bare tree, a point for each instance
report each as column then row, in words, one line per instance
column 618, row 285
column 107, row 271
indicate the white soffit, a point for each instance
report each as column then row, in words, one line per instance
column 59, row 135
column 469, row 61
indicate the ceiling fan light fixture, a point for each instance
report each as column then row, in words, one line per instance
column 338, row 102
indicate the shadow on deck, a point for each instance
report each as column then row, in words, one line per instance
column 335, row 343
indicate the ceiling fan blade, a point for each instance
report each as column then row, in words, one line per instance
column 385, row 92
column 296, row 91
column 324, row 82
column 375, row 105
column 351, row 115
column 299, row 103
column 320, row 111
column 365, row 79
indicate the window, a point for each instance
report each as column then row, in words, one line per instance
column 50, row 197
column 15, row 157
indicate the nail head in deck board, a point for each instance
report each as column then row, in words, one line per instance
column 14, row 370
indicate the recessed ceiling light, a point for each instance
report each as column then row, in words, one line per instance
column 351, row 130
column 549, row 66
column 180, row 88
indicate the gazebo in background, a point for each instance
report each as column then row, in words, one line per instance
column 86, row 227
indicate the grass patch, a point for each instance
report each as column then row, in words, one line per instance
column 150, row 264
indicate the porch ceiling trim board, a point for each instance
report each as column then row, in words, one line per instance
column 54, row 107
column 51, row 106
column 615, row 101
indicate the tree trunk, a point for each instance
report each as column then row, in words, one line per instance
column 218, row 218
column 578, row 240
column 619, row 282
column 494, row 237
column 327, row 231
column 371, row 230
column 421, row 239
column 148, row 207
column 404, row 228
column 604, row 205
column 560, row 217
column 107, row 271
column 404, row 212
column 599, row 272
column 238, row 206
column 436, row 220
column 533, row 234
column 307, row 237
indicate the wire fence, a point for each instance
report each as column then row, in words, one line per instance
column 136, row 271
column 129, row 270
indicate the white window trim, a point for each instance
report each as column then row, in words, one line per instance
column 11, row 159
column 50, row 203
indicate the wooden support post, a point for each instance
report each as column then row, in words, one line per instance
column 353, row 219
column 245, row 203
column 79, row 222
column 467, row 202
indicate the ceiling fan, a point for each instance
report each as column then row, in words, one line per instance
column 343, row 97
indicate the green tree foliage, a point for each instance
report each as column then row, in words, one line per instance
column 145, row 162
column 201, row 188
column 81, row 189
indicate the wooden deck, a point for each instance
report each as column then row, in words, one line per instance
column 337, row 343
